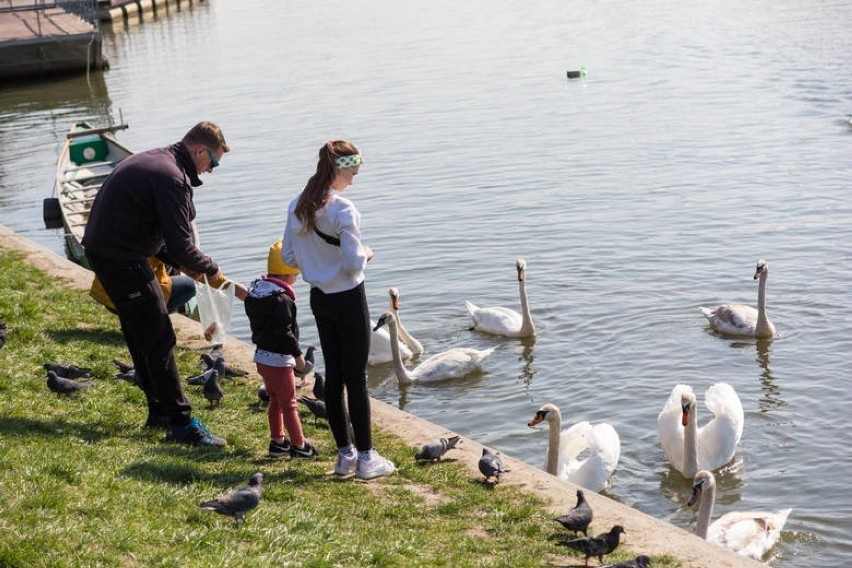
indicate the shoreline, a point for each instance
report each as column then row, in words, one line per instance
column 644, row 533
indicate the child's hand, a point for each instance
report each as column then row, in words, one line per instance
column 300, row 365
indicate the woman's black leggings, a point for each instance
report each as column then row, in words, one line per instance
column 343, row 324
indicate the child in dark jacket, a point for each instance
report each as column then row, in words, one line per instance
column 271, row 310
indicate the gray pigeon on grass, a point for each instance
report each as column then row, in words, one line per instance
column 263, row 395
column 578, row 518
column 237, row 503
column 434, row 451
column 319, row 386
column 490, row 465
column 63, row 386
column 598, row 545
column 309, row 364
column 213, row 390
column 317, row 407
column 208, row 361
column 68, row 371
column 218, row 366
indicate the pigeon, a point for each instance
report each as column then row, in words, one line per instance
column 239, row 502
column 490, row 465
column 263, row 395
column 598, row 545
column 67, row 371
column 317, row 407
column 309, row 363
column 433, row 451
column 126, row 372
column 319, row 386
column 218, row 366
column 2, row 334
column 61, row 385
column 578, row 518
column 641, row 561
column 208, row 361
column 213, row 390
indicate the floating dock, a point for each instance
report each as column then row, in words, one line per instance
column 121, row 13
column 39, row 37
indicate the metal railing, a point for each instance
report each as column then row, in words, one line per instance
column 86, row 9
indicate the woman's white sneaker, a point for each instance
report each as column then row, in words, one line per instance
column 373, row 466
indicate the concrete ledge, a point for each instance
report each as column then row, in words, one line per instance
column 644, row 533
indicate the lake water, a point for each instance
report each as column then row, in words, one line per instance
column 704, row 138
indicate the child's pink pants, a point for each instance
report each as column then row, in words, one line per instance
column 281, row 385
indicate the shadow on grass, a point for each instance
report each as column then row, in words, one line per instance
column 190, row 472
column 91, row 433
column 99, row 336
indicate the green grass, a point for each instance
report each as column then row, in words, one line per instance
column 83, row 484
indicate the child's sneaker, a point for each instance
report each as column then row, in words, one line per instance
column 346, row 464
column 306, row 451
column 374, row 466
column 276, row 450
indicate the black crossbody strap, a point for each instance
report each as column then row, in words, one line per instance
column 327, row 238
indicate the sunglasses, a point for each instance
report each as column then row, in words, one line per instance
column 213, row 161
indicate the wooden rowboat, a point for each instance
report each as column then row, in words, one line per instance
column 88, row 157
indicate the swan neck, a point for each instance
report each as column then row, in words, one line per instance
column 761, row 299
column 705, row 510
column 527, row 327
column 690, row 445
column 415, row 346
column 555, row 431
column 401, row 372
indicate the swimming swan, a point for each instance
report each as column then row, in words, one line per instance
column 739, row 319
column 690, row 448
column 601, row 440
column 380, row 346
column 504, row 321
column 750, row 533
column 450, row 364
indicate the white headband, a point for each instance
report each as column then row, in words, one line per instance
column 349, row 161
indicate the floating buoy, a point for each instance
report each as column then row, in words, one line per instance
column 581, row 72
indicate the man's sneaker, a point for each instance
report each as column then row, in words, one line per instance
column 196, row 434
column 277, row 450
column 346, row 464
column 306, row 451
column 158, row 421
column 374, row 466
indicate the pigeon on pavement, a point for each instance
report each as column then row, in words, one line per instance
column 213, row 390
column 578, row 518
column 67, row 371
column 208, row 361
column 490, row 465
column 433, row 451
column 599, row 545
column 641, row 561
column 319, row 386
column 239, row 502
column 63, row 386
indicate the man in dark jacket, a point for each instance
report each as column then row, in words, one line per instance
column 144, row 209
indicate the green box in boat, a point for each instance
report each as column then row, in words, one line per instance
column 90, row 148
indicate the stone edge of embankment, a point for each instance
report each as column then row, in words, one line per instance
column 644, row 534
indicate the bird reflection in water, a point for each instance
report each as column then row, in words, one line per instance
column 771, row 399
column 528, row 371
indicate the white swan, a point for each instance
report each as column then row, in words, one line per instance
column 690, row 448
column 742, row 320
column 750, row 533
column 504, row 321
column 415, row 346
column 380, row 342
column 601, row 440
column 450, row 364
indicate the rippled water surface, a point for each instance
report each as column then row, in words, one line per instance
column 703, row 138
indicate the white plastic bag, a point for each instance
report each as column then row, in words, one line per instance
column 215, row 308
